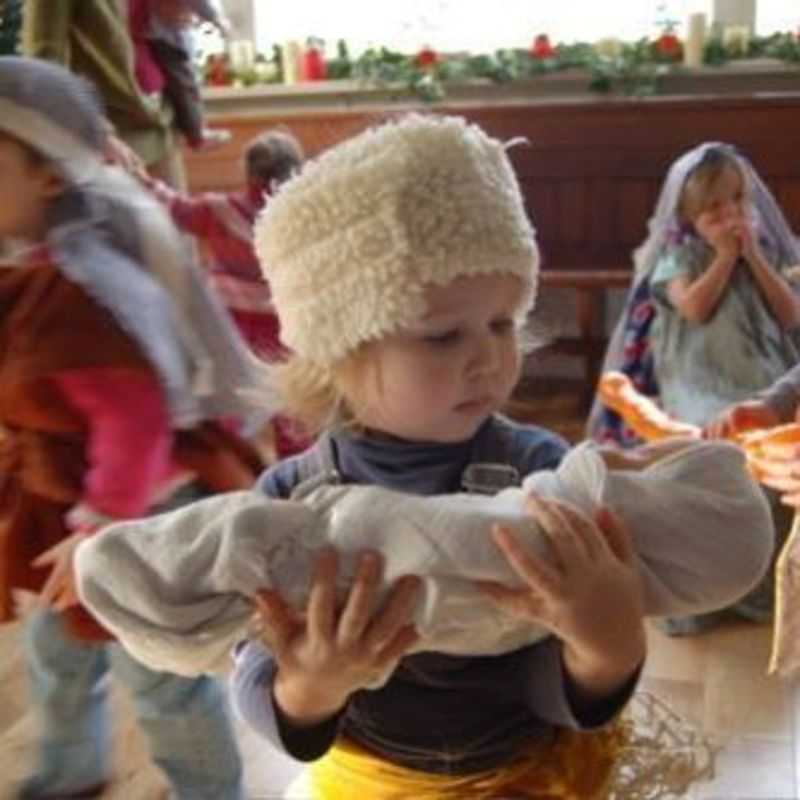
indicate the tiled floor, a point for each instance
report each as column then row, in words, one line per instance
column 716, row 682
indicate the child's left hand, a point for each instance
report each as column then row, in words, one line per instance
column 748, row 240
column 779, row 468
column 59, row 591
column 590, row 597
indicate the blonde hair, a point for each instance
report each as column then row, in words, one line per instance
column 325, row 397
column 699, row 182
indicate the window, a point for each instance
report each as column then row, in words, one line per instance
column 777, row 15
column 452, row 25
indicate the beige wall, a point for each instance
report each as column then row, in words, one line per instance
column 242, row 16
column 734, row 12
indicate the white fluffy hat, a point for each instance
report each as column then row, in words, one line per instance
column 350, row 244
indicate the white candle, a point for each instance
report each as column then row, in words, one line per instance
column 243, row 54
column 292, row 53
column 736, row 39
column 734, row 12
column 695, row 40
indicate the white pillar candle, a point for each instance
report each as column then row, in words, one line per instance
column 292, row 53
column 243, row 54
column 736, row 39
column 695, row 40
column 734, row 12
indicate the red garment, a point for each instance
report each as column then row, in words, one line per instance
column 148, row 73
column 129, row 439
column 223, row 222
column 83, row 422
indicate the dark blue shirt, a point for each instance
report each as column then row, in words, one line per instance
column 437, row 713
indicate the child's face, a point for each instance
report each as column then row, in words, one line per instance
column 725, row 205
column 26, row 187
column 440, row 379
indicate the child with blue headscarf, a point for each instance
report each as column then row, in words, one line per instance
column 116, row 364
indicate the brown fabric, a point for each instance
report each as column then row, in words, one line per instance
column 221, row 460
column 47, row 325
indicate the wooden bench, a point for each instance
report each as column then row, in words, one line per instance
column 590, row 287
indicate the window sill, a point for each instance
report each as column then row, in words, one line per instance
column 762, row 77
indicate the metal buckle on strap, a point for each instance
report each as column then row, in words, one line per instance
column 489, row 478
column 328, row 478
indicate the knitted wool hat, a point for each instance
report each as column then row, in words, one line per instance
column 349, row 245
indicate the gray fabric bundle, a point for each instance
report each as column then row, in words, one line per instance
column 177, row 589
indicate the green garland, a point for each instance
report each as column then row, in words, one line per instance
column 634, row 69
column 10, row 23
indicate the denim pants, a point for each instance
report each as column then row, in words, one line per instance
column 185, row 719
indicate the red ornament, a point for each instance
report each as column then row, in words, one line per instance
column 313, row 66
column 218, row 71
column 427, row 58
column 541, row 47
column 669, row 46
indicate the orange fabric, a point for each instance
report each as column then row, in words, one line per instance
column 575, row 766
column 49, row 325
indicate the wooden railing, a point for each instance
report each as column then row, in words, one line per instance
column 590, row 172
column 590, row 287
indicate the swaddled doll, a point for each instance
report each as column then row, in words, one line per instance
column 177, row 589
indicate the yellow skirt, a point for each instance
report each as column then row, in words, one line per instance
column 575, row 766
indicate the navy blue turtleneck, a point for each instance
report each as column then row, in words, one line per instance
column 441, row 714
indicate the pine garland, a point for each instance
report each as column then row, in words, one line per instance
column 631, row 68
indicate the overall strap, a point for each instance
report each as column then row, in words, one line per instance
column 492, row 463
column 316, row 467
column 491, row 467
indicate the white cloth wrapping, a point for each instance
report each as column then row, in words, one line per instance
column 176, row 589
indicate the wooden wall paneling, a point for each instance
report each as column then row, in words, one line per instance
column 573, row 211
column 787, row 193
column 590, row 171
column 637, row 199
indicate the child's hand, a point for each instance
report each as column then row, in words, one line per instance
column 748, row 241
column 325, row 655
column 59, row 591
column 722, row 235
column 745, row 416
column 119, row 153
column 778, row 466
column 590, row 597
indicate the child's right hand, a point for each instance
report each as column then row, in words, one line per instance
column 118, row 152
column 324, row 655
column 745, row 416
column 723, row 236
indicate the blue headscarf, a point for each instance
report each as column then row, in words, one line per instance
column 107, row 235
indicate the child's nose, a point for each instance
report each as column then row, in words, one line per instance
column 485, row 357
column 731, row 210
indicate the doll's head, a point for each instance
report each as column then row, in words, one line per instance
column 402, row 265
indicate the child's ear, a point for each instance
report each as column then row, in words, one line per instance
column 51, row 183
